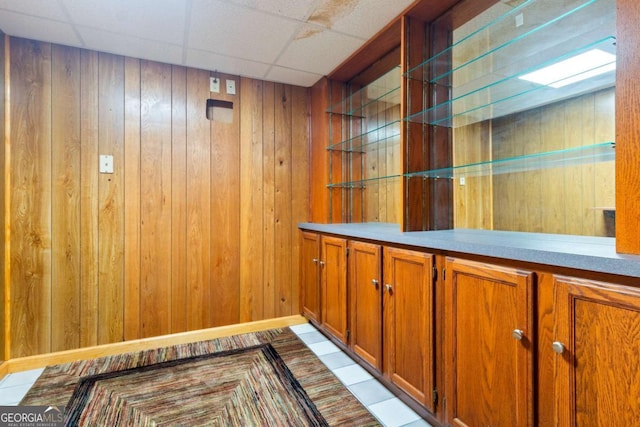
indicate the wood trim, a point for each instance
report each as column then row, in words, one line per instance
column 42, row 360
column 627, row 123
column 6, row 282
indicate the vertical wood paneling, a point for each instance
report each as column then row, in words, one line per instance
column 132, row 199
column 195, row 226
column 269, row 209
column 30, row 198
column 225, row 215
column 300, row 164
column 65, row 198
column 111, row 200
column 155, row 206
column 5, row 223
column 251, row 199
column 282, row 201
column 88, row 200
column 179, row 198
column 319, row 194
column 198, row 200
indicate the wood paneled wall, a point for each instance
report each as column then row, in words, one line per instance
column 564, row 200
column 196, row 227
column 3, row 193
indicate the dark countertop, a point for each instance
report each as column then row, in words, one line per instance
column 597, row 254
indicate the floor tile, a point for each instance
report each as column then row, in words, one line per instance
column 312, row 337
column 325, row 347
column 303, row 329
column 336, row 360
column 370, row 392
column 11, row 396
column 393, row 413
column 352, row 374
column 418, row 423
column 20, row 378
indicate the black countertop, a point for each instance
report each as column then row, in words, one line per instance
column 596, row 254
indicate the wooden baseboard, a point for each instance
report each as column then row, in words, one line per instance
column 42, row 360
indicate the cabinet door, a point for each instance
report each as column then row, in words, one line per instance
column 489, row 358
column 408, row 322
column 310, row 276
column 365, row 295
column 597, row 360
column 333, row 269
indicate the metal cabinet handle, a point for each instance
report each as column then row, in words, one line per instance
column 389, row 288
column 315, row 260
column 374, row 282
column 518, row 334
column 558, row 347
column 321, row 263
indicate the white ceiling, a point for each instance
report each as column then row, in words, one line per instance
column 288, row 41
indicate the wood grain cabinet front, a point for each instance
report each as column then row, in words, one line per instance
column 365, row 306
column 488, row 344
column 310, row 276
column 409, row 323
column 333, row 273
column 596, row 353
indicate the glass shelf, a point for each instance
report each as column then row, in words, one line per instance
column 501, row 43
column 507, row 95
column 368, row 100
column 574, row 156
column 359, row 142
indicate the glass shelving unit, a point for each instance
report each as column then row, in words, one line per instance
column 602, row 152
column 488, row 84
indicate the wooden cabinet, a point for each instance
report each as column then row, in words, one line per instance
column 310, row 276
column 365, row 307
column 333, row 273
column 488, row 344
column 596, row 345
column 408, row 322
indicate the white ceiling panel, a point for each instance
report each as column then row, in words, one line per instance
column 288, row 41
column 295, row 9
column 366, row 18
column 43, row 8
column 294, row 77
column 30, row 27
column 312, row 46
column 232, row 30
column 226, row 64
column 161, row 20
column 104, row 41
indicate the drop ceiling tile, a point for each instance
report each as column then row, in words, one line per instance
column 161, row 20
column 358, row 18
column 318, row 51
column 105, row 41
column 231, row 30
column 19, row 25
column 225, row 64
column 43, row 8
column 294, row 77
column 296, row 9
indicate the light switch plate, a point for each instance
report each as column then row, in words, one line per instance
column 106, row 163
column 231, row 87
column 214, row 84
column 519, row 20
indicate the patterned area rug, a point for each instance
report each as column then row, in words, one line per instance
column 265, row 378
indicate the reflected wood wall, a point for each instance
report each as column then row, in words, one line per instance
column 556, row 200
column 195, row 228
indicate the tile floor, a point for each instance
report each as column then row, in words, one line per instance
column 387, row 408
